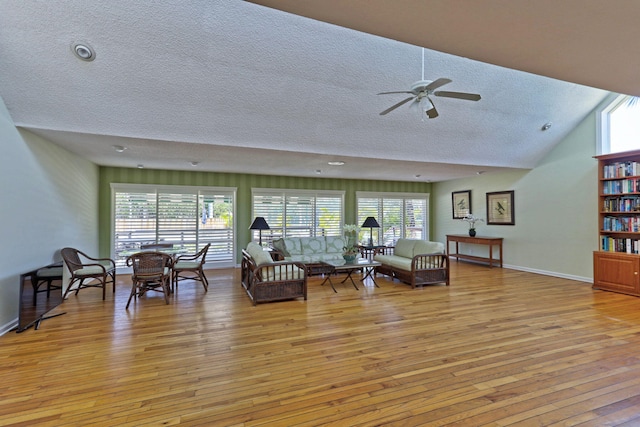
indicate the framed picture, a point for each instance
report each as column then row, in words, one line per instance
column 500, row 208
column 461, row 202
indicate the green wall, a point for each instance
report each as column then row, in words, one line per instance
column 243, row 183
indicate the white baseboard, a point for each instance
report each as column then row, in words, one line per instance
column 8, row 326
column 550, row 273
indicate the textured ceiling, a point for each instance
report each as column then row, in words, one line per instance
column 238, row 87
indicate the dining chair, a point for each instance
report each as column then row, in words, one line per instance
column 88, row 272
column 190, row 267
column 151, row 272
column 156, row 246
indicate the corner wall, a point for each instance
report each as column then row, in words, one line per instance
column 555, row 209
column 49, row 201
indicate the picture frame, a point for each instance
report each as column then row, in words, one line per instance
column 501, row 208
column 461, row 203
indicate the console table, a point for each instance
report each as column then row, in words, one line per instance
column 488, row 241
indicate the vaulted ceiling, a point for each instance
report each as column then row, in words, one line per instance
column 234, row 86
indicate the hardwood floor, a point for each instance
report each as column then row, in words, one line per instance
column 498, row 347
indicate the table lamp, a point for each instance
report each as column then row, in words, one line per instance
column 259, row 224
column 371, row 223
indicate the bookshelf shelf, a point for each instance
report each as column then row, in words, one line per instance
column 616, row 263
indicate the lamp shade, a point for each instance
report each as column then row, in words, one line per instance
column 370, row 222
column 259, row 224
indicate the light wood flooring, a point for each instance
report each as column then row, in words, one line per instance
column 498, row 347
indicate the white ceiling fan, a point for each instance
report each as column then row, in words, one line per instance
column 420, row 95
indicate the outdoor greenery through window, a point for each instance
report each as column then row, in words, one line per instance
column 399, row 215
column 620, row 124
column 298, row 213
column 186, row 217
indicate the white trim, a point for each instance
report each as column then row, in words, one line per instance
column 611, row 102
column 170, row 188
column 550, row 273
column 390, row 195
column 7, row 327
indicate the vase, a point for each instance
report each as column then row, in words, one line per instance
column 349, row 259
column 472, row 232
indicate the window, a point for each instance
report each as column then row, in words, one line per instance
column 399, row 215
column 620, row 125
column 187, row 217
column 298, row 213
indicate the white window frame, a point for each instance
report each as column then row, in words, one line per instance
column 177, row 189
column 280, row 230
column 365, row 233
column 603, row 129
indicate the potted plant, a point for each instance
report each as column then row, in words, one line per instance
column 472, row 223
column 350, row 250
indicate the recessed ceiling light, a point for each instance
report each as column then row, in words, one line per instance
column 119, row 148
column 195, row 163
column 336, row 163
column 418, row 176
column 546, row 126
column 83, row 51
column 140, row 166
column 479, row 172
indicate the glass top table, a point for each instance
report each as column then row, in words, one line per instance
column 336, row 266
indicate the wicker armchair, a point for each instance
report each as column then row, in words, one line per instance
column 191, row 267
column 151, row 272
column 273, row 281
column 88, row 272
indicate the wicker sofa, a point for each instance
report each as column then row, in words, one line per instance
column 416, row 262
column 310, row 251
column 266, row 280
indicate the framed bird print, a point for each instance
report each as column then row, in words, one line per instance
column 500, row 208
column 461, row 202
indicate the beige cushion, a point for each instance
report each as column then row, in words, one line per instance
column 401, row 263
column 278, row 274
column 259, row 255
column 425, row 247
column 404, row 248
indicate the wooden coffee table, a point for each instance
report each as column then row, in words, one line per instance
column 364, row 264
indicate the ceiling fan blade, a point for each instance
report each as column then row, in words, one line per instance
column 401, row 91
column 458, row 95
column 393, row 107
column 432, row 113
column 437, row 83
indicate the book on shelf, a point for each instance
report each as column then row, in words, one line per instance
column 620, row 245
column 621, row 169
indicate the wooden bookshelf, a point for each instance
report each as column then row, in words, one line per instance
column 616, row 263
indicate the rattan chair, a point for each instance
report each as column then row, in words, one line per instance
column 148, row 246
column 190, row 267
column 88, row 272
column 151, row 272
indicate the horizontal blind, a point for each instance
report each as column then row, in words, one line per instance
column 298, row 213
column 400, row 215
column 216, row 214
column 187, row 217
column 177, row 219
column 135, row 215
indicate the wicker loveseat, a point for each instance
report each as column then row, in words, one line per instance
column 416, row 262
column 266, row 280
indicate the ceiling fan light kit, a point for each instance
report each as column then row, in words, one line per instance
column 420, row 95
